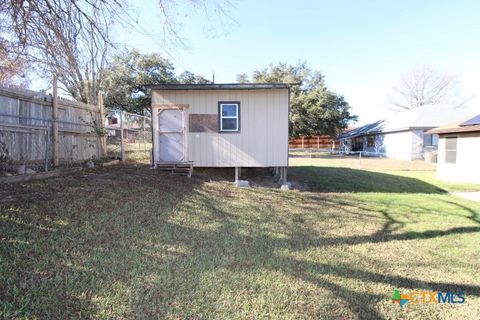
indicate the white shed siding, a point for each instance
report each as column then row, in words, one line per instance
column 263, row 137
column 466, row 168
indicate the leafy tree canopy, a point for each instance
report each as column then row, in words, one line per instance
column 190, row 78
column 242, row 78
column 314, row 108
column 130, row 71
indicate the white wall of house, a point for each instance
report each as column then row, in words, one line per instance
column 263, row 137
column 405, row 145
column 467, row 166
column 417, row 144
column 397, row 145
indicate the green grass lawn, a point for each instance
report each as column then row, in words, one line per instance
column 130, row 242
column 364, row 167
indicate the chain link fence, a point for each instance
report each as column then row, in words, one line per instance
column 358, row 159
column 129, row 136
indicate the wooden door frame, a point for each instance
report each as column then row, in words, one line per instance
column 156, row 110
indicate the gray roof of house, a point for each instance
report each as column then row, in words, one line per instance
column 220, row 86
column 425, row 117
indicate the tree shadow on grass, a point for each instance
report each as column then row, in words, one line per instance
column 338, row 179
column 388, row 232
column 159, row 237
column 472, row 214
column 242, row 252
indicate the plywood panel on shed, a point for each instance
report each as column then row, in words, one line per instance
column 203, row 123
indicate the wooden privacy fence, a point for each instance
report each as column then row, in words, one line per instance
column 317, row 142
column 40, row 130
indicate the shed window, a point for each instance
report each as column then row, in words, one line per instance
column 451, row 149
column 229, row 116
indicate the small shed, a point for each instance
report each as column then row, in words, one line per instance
column 458, row 150
column 221, row 125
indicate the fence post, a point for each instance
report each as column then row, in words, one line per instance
column 103, row 137
column 122, row 148
column 55, row 137
column 47, row 145
column 303, row 142
column 318, row 142
column 144, row 136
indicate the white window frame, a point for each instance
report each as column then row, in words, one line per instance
column 221, row 116
column 449, row 150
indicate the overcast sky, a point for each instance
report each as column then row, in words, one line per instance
column 361, row 46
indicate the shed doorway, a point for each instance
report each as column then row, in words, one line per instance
column 171, row 135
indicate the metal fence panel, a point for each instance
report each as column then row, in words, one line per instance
column 129, row 136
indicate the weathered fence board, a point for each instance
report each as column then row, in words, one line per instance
column 26, row 127
column 318, row 142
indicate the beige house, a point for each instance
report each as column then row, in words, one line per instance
column 221, row 125
column 459, row 151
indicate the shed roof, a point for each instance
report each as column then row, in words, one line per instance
column 220, row 86
column 458, row 126
column 425, row 117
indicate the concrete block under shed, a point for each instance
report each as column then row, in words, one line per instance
column 242, row 184
column 286, row 186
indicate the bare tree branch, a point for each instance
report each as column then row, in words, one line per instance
column 72, row 38
column 425, row 86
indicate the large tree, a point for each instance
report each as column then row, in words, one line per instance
column 423, row 86
column 125, row 76
column 314, row 108
column 66, row 38
column 124, row 79
column 13, row 70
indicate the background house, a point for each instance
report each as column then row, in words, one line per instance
column 221, row 125
column 402, row 136
column 459, row 150
column 134, row 127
